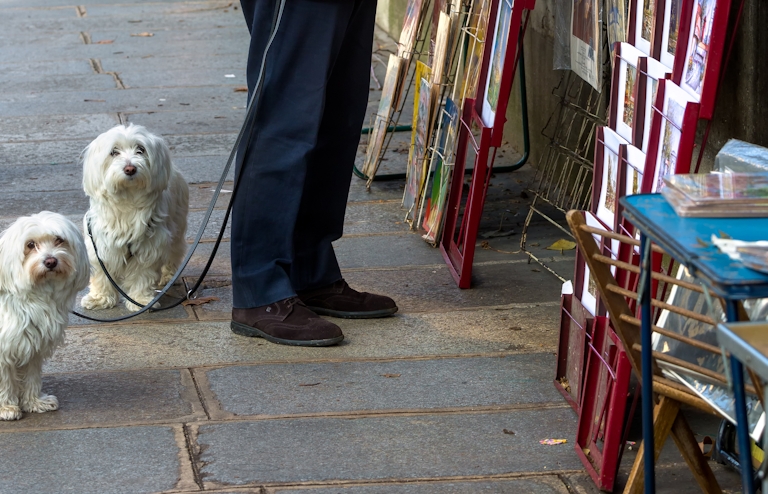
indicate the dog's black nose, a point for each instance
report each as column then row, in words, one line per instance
column 50, row 262
column 129, row 170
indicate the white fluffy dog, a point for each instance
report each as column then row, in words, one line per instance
column 43, row 264
column 138, row 215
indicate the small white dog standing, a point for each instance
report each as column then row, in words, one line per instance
column 43, row 264
column 138, row 215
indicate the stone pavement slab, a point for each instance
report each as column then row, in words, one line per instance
column 115, row 398
column 317, row 388
column 42, row 127
column 91, row 461
column 142, row 344
column 178, row 121
column 124, row 100
column 322, row 449
column 544, row 484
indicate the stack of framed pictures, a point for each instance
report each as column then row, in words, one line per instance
column 664, row 80
column 480, row 128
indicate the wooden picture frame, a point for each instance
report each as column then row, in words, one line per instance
column 644, row 28
column 669, row 27
column 649, row 71
column 698, row 60
column 623, row 106
column 605, row 194
column 673, row 130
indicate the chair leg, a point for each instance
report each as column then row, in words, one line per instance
column 689, row 448
column 664, row 415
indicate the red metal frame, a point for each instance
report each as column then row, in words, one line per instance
column 575, row 330
column 604, row 400
column 714, row 53
column 458, row 248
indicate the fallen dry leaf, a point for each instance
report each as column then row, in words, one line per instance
column 143, row 35
column 104, row 42
column 562, row 245
column 552, row 442
column 507, row 431
column 391, row 375
column 241, row 89
column 200, row 301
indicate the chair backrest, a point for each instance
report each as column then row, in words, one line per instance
column 684, row 339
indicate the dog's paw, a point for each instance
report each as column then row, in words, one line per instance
column 166, row 276
column 143, row 301
column 42, row 404
column 95, row 301
column 10, row 412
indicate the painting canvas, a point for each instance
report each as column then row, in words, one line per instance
column 410, row 28
column 498, row 56
column 670, row 143
column 650, row 70
column 617, row 25
column 444, row 159
column 698, row 47
column 622, row 116
column 670, row 32
column 642, row 24
column 416, row 159
column 475, row 44
column 382, row 117
column 585, row 41
column 609, row 182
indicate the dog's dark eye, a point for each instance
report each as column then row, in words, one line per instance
column 114, row 152
column 31, row 245
column 140, row 150
column 58, row 241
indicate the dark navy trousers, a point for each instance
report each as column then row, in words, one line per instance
column 292, row 194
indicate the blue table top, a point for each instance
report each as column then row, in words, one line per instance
column 682, row 238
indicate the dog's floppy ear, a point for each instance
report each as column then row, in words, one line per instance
column 94, row 158
column 76, row 242
column 12, row 276
column 159, row 160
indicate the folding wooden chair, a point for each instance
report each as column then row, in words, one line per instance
column 669, row 394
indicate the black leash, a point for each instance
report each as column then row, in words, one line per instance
column 249, row 119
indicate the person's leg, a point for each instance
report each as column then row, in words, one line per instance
column 287, row 130
column 320, row 219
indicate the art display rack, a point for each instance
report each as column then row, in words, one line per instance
column 563, row 180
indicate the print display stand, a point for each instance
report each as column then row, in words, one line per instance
column 480, row 128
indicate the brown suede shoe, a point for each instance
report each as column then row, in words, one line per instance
column 287, row 322
column 339, row 300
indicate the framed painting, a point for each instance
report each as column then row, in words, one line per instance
column 621, row 116
column 642, row 32
column 673, row 129
column 698, row 59
column 605, row 187
column 670, row 32
column 649, row 72
column 499, row 65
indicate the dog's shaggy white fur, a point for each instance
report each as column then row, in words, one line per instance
column 43, row 264
column 138, row 215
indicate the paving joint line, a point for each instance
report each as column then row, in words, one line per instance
column 348, row 415
column 199, row 392
column 340, row 360
column 213, row 487
column 194, row 456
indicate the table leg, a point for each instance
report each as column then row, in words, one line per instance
column 740, row 409
column 647, row 365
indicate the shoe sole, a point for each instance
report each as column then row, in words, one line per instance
column 245, row 330
column 374, row 314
